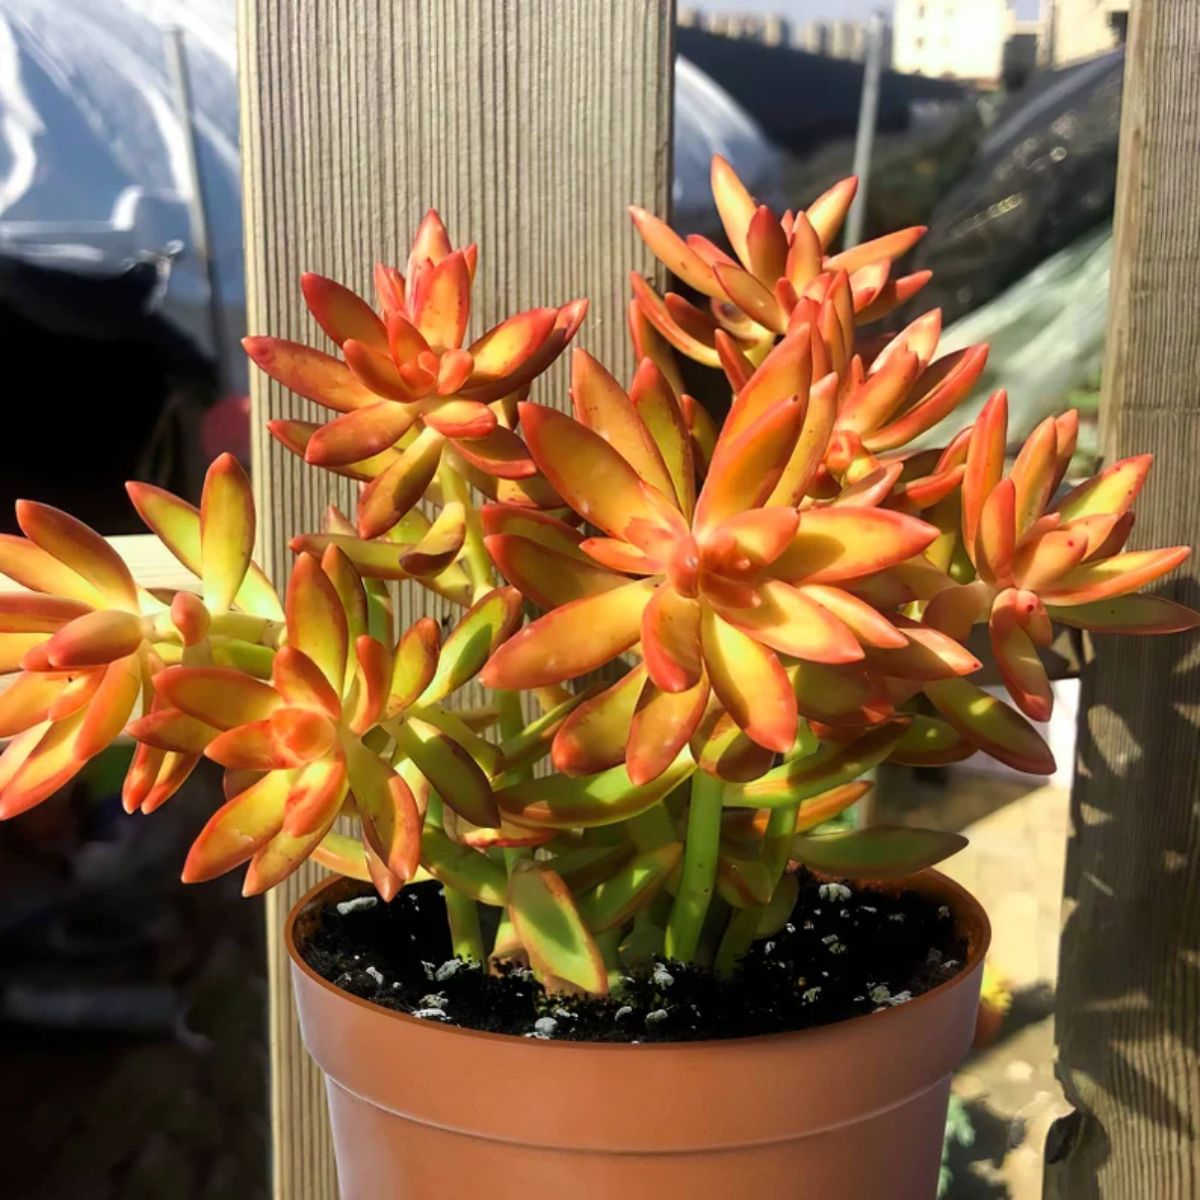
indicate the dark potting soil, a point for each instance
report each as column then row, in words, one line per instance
column 848, row 949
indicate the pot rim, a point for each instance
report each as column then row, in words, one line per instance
column 966, row 910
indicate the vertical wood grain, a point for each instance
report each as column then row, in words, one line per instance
column 1129, row 982
column 530, row 125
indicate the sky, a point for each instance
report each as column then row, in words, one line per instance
column 807, row 10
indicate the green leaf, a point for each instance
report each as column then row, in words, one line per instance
column 831, row 766
column 451, row 771
column 565, row 802
column 546, row 920
column 778, row 910
column 882, row 852
column 471, row 642
column 470, row 871
column 614, row 900
column 533, row 742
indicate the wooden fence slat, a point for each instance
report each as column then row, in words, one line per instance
column 1129, row 980
column 531, row 125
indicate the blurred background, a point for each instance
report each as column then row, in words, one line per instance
column 132, row 1012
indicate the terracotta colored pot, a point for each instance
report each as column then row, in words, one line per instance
column 851, row 1111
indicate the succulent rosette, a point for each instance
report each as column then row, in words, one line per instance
column 88, row 639
column 731, row 590
column 781, row 270
column 406, row 387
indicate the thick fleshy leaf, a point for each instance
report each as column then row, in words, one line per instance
column 721, row 749
column 372, row 680
column 80, row 548
column 177, row 525
column 838, row 696
column 381, row 377
column 562, row 802
column 316, row 620
column 890, row 246
column 315, row 798
column 747, row 293
column 1040, row 561
column 28, row 701
column 1113, row 491
column 37, row 762
column 1127, row 614
column 930, row 742
column 655, row 310
column 991, row 725
column 440, row 545
column 220, row 697
column 785, row 372
column 1116, row 576
column 593, row 738
column 742, row 882
column 615, row 900
column 154, row 777
column 358, row 436
column 601, row 404
column 868, row 625
column 671, row 640
column 766, row 246
column 985, row 464
column 466, row 870
column 930, row 654
column 465, row 419
column 451, row 771
column 503, row 350
column 787, row 620
column 389, row 496
column 830, row 767
column 414, row 664
column 239, row 827
column 487, row 626
column 282, row 855
column 546, row 921
column 310, row 373
column 881, row 852
column 546, row 576
column 1017, row 658
column 734, row 204
column 28, row 565
column 661, row 727
column 95, row 639
column 1033, row 474
column 430, row 242
column 302, row 684
column 833, row 544
column 827, row 212
column 171, row 729
column 674, row 253
column 593, row 478
column 441, row 302
column 341, row 313
column 110, row 707
column 570, row 641
column 811, row 445
column 227, row 525
column 750, row 682
column 391, row 822
column 746, row 467
column 995, row 538
column 500, row 453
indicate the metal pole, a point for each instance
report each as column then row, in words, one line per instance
column 865, row 137
column 176, row 55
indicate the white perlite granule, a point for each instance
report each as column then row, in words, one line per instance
column 376, row 974
column 655, row 1017
column 358, row 904
column 834, row 892
column 545, row 1026
column 661, row 977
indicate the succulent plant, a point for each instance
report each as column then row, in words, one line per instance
column 781, row 599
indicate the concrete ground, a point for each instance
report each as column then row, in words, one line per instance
column 1014, row 865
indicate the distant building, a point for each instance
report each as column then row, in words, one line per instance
column 1075, row 29
column 839, row 39
column 952, row 39
column 769, row 29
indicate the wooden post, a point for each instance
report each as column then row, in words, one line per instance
column 530, row 125
column 1129, row 982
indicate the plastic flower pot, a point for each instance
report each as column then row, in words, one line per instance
column 853, row 1110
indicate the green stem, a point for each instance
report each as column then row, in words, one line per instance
column 699, row 868
column 466, row 937
column 475, row 556
column 462, row 913
column 743, row 925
